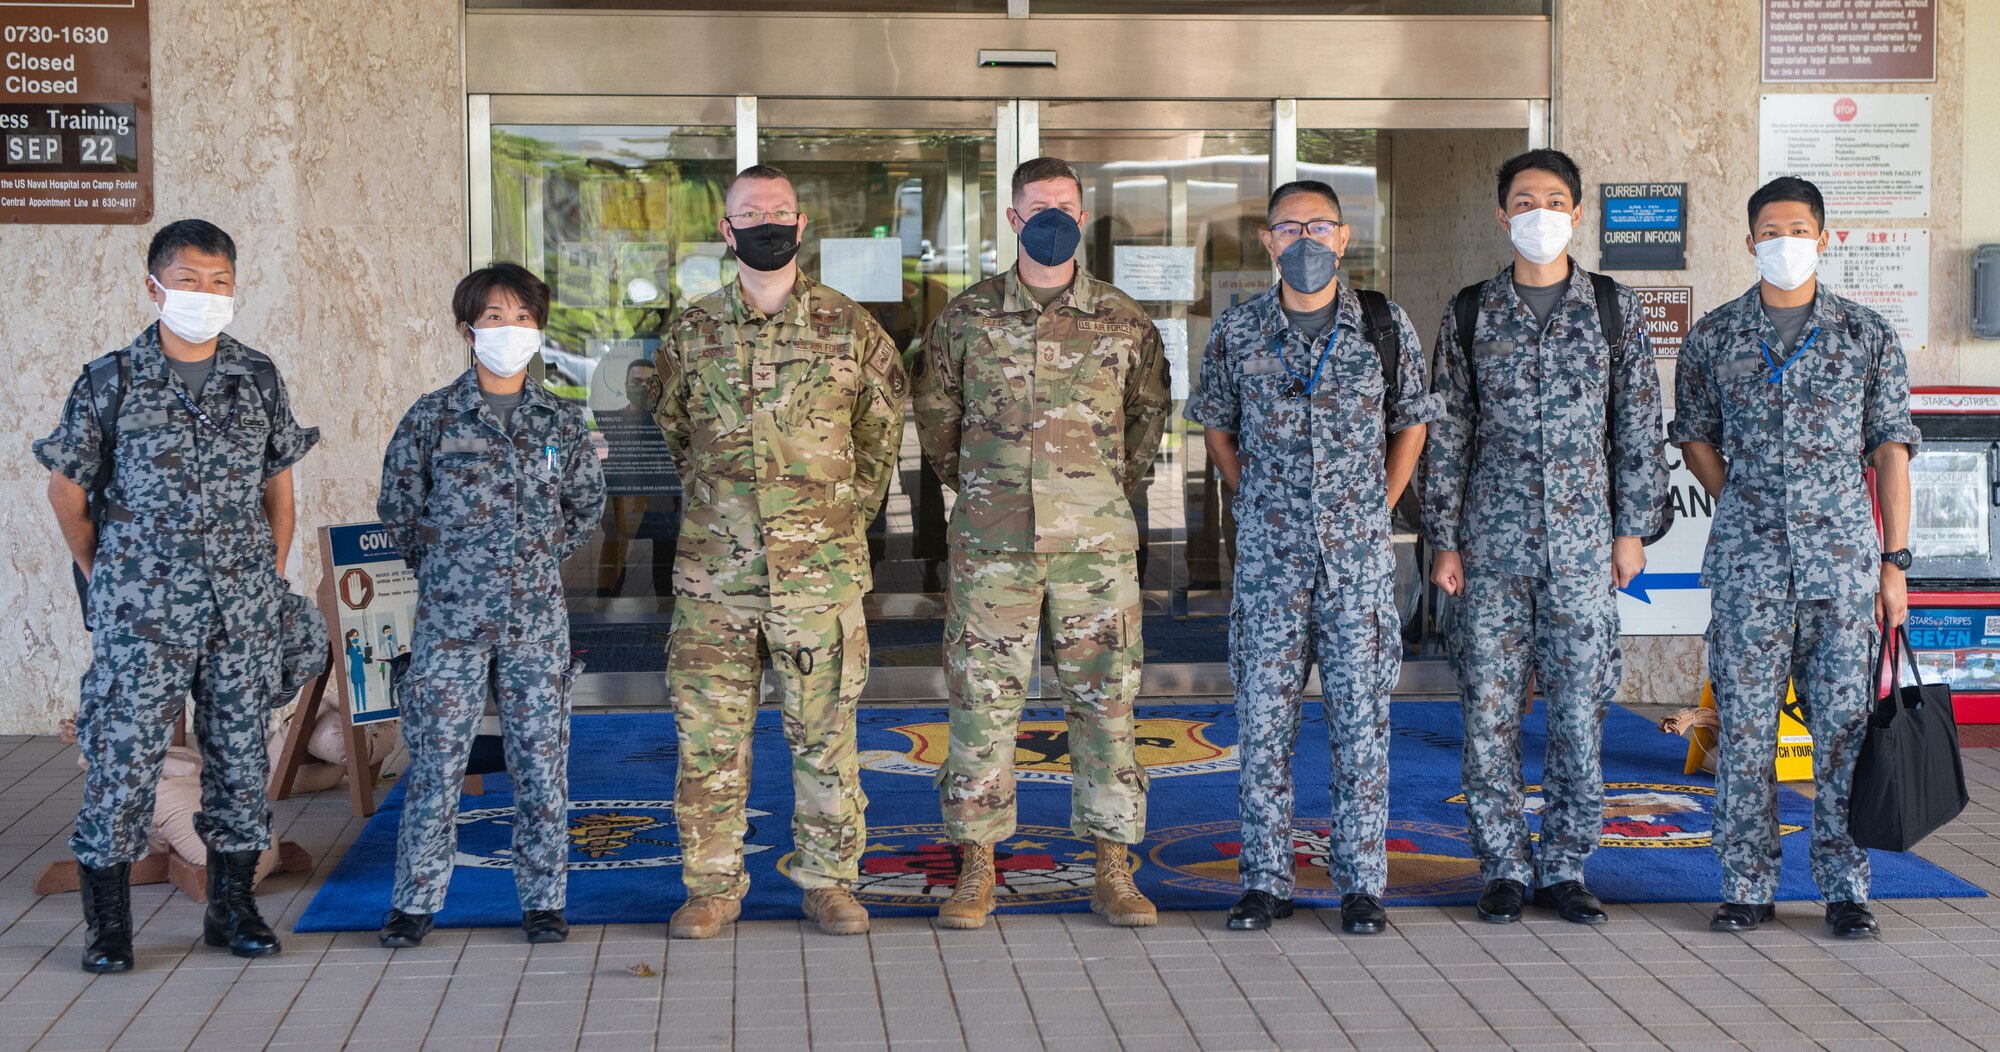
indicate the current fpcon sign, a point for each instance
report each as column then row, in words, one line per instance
column 76, row 104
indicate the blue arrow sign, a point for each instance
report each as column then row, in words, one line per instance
column 1660, row 582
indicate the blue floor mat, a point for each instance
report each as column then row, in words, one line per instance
column 624, row 859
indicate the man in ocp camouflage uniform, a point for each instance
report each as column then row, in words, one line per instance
column 1318, row 436
column 782, row 403
column 1041, row 398
column 1783, row 396
column 1543, row 478
column 183, row 562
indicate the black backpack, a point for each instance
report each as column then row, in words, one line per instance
column 1378, row 323
column 1465, row 312
column 106, row 379
column 1610, row 318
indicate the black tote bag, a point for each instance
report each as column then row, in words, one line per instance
column 1910, row 779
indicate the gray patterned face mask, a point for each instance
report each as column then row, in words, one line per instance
column 1307, row 266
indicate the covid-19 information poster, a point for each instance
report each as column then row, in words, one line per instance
column 76, row 106
column 1869, row 154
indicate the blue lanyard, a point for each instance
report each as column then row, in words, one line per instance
column 206, row 420
column 1778, row 371
column 1312, row 384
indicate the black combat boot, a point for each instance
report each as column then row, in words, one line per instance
column 232, row 919
column 107, row 915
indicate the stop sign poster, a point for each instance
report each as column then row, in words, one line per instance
column 1869, row 154
column 1667, row 598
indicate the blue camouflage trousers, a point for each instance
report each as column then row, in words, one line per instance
column 133, row 698
column 1563, row 629
column 443, row 701
column 1755, row 645
column 1278, row 628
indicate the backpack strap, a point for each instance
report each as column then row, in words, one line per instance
column 1465, row 319
column 108, row 377
column 265, row 372
column 1610, row 317
column 1380, row 325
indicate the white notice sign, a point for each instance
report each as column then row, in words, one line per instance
column 1154, row 272
column 1173, row 333
column 1227, row 288
column 1888, row 271
column 865, row 269
column 1869, row 154
column 1667, row 598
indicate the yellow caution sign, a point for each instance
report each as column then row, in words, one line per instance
column 1795, row 744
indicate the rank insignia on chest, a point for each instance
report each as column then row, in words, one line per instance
column 763, row 377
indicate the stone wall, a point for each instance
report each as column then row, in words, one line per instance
column 331, row 144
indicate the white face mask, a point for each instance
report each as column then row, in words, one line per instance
column 1787, row 261
column 507, row 349
column 196, row 317
column 1540, row 236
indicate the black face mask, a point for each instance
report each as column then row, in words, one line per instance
column 767, row 247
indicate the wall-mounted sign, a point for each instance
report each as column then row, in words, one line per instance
column 1850, row 40
column 76, row 104
column 1885, row 270
column 1869, row 154
column 1644, row 226
column 1669, row 315
column 1668, row 597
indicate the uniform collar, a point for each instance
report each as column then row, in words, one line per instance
column 1752, row 321
column 149, row 360
column 466, row 397
column 740, row 311
column 1082, row 295
column 1576, row 287
column 1272, row 320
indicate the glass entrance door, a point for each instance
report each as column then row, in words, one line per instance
column 614, row 201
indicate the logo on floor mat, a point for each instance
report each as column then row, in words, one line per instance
column 1165, row 748
column 603, row 835
column 1425, row 859
column 1649, row 814
column 917, row 866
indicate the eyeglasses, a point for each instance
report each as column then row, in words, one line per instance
column 1317, row 228
column 757, row 218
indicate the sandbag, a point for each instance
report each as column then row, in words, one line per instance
column 182, row 761
column 311, row 777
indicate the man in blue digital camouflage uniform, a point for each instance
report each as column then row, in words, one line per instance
column 1318, row 439
column 1542, row 479
column 1783, row 396
column 183, row 544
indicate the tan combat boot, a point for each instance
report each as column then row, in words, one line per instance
column 1115, row 896
column 973, row 900
column 836, row 911
column 703, row 917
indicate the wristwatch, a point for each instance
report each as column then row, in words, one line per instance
column 1900, row 558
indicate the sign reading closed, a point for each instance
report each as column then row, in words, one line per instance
column 75, row 112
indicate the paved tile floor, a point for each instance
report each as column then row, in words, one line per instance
column 1655, row 976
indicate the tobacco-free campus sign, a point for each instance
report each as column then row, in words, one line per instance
column 1850, row 40
column 1669, row 314
column 1645, row 227
column 75, row 112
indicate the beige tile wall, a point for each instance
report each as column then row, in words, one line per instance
column 329, row 139
column 1668, row 90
